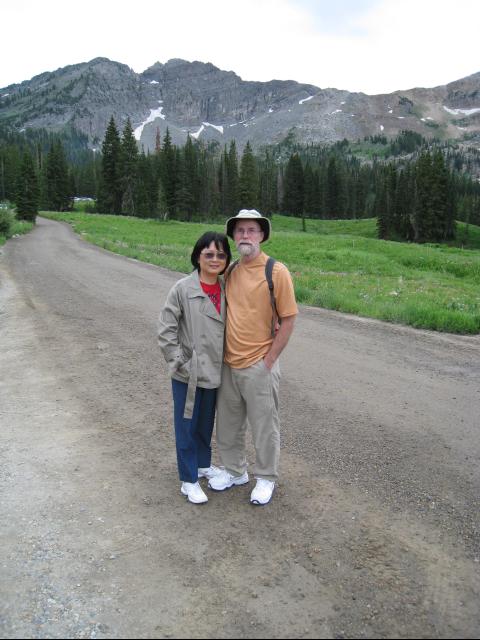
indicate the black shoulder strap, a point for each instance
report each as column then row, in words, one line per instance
column 268, row 272
column 269, row 277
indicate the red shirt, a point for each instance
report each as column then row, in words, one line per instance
column 214, row 292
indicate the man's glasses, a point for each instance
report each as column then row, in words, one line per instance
column 211, row 255
column 251, row 231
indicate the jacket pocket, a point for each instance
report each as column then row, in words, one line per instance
column 184, row 368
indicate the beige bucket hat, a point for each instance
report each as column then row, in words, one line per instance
column 249, row 214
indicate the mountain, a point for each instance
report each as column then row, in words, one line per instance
column 211, row 104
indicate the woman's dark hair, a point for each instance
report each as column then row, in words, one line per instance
column 221, row 242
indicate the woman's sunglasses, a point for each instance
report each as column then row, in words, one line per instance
column 211, row 255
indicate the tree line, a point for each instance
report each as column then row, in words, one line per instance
column 416, row 195
column 44, row 182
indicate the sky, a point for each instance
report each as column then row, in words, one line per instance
column 374, row 46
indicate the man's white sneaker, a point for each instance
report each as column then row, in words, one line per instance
column 194, row 492
column 225, row 480
column 209, row 472
column 262, row 492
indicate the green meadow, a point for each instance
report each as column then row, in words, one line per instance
column 336, row 264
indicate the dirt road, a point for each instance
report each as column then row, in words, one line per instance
column 374, row 530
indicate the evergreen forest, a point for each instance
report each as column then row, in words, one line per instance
column 416, row 188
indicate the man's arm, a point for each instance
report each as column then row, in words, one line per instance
column 280, row 341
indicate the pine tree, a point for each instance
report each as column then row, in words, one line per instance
column 223, row 180
column 192, row 180
column 87, row 180
column 442, row 202
column 10, row 169
column 27, row 190
column 145, row 190
column 128, row 170
column 209, row 197
column 384, row 223
column 294, row 186
column 424, row 216
column 168, row 174
column 59, row 190
column 110, row 189
column 390, row 194
column 268, row 185
column 158, row 144
column 321, row 196
column 310, row 191
column 362, row 188
column 333, row 196
column 403, row 206
column 232, row 191
column 161, row 209
column 2, row 178
column 248, row 185
column 183, row 194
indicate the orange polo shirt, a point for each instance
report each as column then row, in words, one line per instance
column 249, row 311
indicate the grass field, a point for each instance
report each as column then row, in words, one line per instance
column 337, row 264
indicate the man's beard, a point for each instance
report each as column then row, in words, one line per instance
column 245, row 249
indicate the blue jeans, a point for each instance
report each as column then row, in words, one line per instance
column 193, row 437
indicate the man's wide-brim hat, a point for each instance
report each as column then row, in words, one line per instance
column 249, row 214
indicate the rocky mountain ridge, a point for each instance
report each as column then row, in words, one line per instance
column 208, row 103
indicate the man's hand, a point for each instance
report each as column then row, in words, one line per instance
column 280, row 341
column 269, row 361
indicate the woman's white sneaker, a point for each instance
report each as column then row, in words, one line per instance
column 194, row 492
column 209, row 472
column 262, row 493
column 225, row 480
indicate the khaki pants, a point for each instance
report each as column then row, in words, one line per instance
column 249, row 396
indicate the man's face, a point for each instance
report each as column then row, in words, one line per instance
column 247, row 235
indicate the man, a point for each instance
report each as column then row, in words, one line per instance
column 251, row 371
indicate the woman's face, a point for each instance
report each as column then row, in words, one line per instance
column 212, row 261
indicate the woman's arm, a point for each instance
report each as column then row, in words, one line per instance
column 168, row 324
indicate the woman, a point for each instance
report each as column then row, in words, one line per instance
column 191, row 330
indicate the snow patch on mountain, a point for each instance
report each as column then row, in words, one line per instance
column 465, row 112
column 197, row 133
column 218, row 127
column 154, row 114
column 154, row 82
column 305, row 99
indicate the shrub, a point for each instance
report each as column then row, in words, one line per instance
column 6, row 221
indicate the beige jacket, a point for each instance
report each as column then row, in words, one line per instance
column 191, row 336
